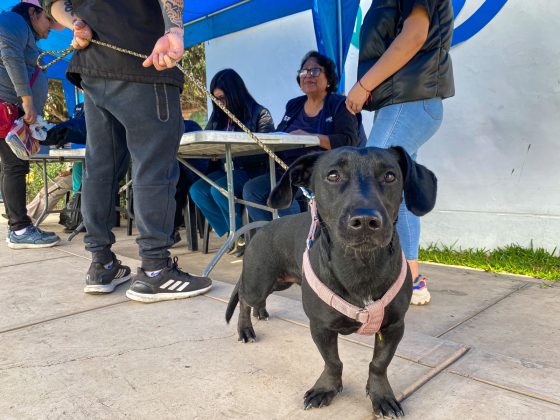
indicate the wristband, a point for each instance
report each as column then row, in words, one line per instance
column 363, row 87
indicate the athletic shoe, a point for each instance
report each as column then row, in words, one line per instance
column 171, row 283
column 32, row 238
column 101, row 280
column 420, row 293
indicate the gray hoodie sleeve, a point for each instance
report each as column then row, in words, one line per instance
column 13, row 39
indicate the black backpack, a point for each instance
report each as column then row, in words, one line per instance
column 71, row 216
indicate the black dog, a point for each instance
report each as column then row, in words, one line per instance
column 356, row 253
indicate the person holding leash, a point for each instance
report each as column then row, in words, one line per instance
column 130, row 106
column 404, row 72
column 23, row 91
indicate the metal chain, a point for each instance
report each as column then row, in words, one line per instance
column 63, row 53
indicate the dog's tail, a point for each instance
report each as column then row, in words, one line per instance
column 233, row 301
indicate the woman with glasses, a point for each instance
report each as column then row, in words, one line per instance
column 320, row 112
column 228, row 87
column 23, row 92
column 404, row 73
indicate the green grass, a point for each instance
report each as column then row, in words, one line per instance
column 514, row 259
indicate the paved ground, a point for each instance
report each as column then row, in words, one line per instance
column 485, row 348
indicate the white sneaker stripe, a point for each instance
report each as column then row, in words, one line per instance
column 185, row 284
column 177, row 283
column 167, row 283
column 120, row 273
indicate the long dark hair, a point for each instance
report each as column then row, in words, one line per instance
column 22, row 9
column 238, row 99
column 327, row 64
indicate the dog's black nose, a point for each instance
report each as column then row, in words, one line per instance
column 365, row 219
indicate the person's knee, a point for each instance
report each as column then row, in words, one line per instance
column 248, row 189
column 216, row 195
column 197, row 191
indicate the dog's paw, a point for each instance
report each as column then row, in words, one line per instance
column 247, row 335
column 317, row 398
column 386, row 407
column 261, row 314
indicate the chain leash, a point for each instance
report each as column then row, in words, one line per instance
column 63, row 53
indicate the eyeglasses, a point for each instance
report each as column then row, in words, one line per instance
column 314, row 72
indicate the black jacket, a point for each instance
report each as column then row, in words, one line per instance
column 336, row 122
column 134, row 25
column 259, row 122
column 429, row 74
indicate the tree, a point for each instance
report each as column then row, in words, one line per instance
column 193, row 101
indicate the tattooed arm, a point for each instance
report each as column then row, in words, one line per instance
column 63, row 12
column 172, row 11
column 169, row 48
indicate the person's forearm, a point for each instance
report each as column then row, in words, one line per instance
column 63, row 12
column 401, row 51
column 172, row 11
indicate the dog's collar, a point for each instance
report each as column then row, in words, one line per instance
column 371, row 316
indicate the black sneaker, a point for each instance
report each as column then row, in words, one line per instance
column 171, row 283
column 101, row 280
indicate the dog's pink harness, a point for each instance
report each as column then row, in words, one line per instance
column 371, row 316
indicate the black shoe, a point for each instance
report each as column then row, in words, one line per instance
column 101, row 280
column 171, row 283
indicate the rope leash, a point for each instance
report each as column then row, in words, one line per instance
column 63, row 53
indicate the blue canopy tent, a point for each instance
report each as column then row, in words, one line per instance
column 333, row 20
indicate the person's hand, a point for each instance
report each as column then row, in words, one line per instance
column 167, row 51
column 356, row 98
column 82, row 34
column 300, row 133
column 29, row 112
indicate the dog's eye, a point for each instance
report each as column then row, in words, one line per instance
column 390, row 177
column 333, row 176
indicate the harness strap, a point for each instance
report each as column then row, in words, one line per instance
column 371, row 316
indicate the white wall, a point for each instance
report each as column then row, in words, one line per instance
column 496, row 155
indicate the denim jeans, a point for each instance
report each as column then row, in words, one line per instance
column 213, row 205
column 257, row 190
column 408, row 125
column 13, row 187
column 145, row 120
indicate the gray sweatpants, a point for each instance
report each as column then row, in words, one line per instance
column 145, row 120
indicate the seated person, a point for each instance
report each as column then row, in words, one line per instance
column 228, row 87
column 319, row 112
column 186, row 179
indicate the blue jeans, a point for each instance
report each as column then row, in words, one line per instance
column 213, row 205
column 145, row 120
column 408, row 125
column 257, row 190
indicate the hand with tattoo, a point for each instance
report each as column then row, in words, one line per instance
column 167, row 51
column 169, row 48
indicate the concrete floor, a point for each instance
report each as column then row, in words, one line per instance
column 485, row 348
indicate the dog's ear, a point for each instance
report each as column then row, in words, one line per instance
column 420, row 184
column 297, row 175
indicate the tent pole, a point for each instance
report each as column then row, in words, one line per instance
column 340, row 52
